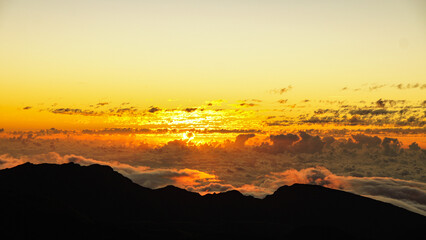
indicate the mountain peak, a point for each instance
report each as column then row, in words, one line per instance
column 49, row 194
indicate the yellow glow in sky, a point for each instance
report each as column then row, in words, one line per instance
column 182, row 54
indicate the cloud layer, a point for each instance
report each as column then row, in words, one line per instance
column 407, row 194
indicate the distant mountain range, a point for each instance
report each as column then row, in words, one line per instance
column 69, row 201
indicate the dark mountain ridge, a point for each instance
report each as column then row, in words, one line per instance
column 70, row 201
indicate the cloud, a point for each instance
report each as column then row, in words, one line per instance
column 189, row 110
column 215, row 102
column 293, row 143
column 391, row 146
column 235, row 162
column 282, row 90
column 183, row 178
column 153, row 109
column 407, row 194
column 241, row 139
column 27, row 108
column 121, row 111
column 381, row 112
column 371, row 111
column 376, row 87
column 372, row 142
column 402, row 86
column 308, row 144
column 282, row 142
column 324, row 111
column 144, row 176
column 75, row 111
column 380, row 103
column 247, row 104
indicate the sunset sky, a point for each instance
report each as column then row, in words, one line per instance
column 196, row 91
column 237, row 55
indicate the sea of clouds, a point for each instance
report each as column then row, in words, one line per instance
column 365, row 165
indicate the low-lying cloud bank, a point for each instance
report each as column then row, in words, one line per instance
column 406, row 194
column 410, row 195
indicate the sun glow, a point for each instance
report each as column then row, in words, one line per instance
column 188, row 136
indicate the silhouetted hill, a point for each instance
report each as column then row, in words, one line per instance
column 70, row 201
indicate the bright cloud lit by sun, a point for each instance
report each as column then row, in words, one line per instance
column 188, row 136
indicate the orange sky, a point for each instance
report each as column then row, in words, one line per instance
column 274, row 66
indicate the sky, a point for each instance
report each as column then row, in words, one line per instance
column 220, row 95
column 185, row 54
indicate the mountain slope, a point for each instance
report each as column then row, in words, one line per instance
column 72, row 201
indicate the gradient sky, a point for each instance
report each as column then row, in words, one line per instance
column 180, row 54
column 212, row 96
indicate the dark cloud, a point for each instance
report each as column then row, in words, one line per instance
column 247, row 104
column 190, row 109
column 412, row 121
column 332, row 102
column 128, row 111
column 391, row 146
column 402, row 86
column 308, row 144
column 280, row 123
column 375, row 87
column 283, row 139
column 241, row 139
column 283, row 101
column 380, row 103
column 242, row 131
column 321, row 120
column 414, row 147
column 371, row 111
column 396, row 130
column 324, row 111
column 27, row 108
column 125, row 131
column 280, row 143
column 372, row 142
column 382, row 112
column 153, row 109
column 75, row 111
column 328, row 140
column 282, row 90
column 388, row 102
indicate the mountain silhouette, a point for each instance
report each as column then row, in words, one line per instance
column 69, row 201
